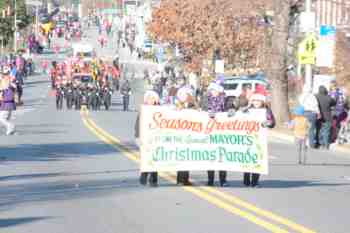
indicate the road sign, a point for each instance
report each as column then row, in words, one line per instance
column 327, row 30
column 307, row 21
column 307, row 50
column 219, row 66
column 325, row 50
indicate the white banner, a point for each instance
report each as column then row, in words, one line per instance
column 174, row 140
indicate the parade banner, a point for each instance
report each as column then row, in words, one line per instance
column 173, row 140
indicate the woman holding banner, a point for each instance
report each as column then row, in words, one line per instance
column 185, row 100
column 150, row 98
column 216, row 103
column 258, row 101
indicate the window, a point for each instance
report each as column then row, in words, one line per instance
column 230, row 86
column 246, row 86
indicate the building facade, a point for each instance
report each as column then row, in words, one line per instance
column 332, row 12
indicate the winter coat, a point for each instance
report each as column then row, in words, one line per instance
column 340, row 100
column 326, row 103
column 125, row 89
column 270, row 121
column 8, row 100
column 216, row 103
column 203, row 104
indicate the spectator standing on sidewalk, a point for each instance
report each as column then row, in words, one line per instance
column 326, row 103
column 7, row 99
column 339, row 113
column 312, row 112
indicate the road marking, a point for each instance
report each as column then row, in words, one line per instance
column 218, row 198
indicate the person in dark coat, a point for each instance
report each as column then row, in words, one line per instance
column 125, row 92
column 150, row 98
column 326, row 103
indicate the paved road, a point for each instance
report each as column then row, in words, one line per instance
column 66, row 173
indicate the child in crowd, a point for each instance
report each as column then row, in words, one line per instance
column 300, row 125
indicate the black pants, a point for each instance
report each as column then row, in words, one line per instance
column 126, row 102
column 59, row 102
column 222, row 177
column 183, row 177
column 251, row 179
column 153, row 177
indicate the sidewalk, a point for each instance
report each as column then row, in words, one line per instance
column 287, row 135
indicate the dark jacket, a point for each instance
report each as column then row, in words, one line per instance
column 325, row 103
column 125, row 89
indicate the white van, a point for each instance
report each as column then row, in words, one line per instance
column 85, row 50
column 234, row 85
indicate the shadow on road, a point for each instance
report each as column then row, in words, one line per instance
column 13, row 195
column 53, row 152
column 35, row 83
column 62, row 174
column 40, row 132
column 9, row 222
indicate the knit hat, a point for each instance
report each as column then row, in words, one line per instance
column 258, row 97
column 183, row 92
column 215, row 87
column 299, row 111
column 150, row 94
column 261, row 89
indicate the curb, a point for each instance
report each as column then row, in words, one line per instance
column 290, row 139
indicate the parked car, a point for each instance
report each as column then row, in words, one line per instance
column 235, row 85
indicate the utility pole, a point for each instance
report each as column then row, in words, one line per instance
column 15, row 29
column 308, row 67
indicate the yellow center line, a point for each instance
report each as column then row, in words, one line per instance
column 221, row 199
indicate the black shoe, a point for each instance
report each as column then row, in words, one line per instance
column 255, row 185
column 210, row 183
column 224, row 184
column 246, row 184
